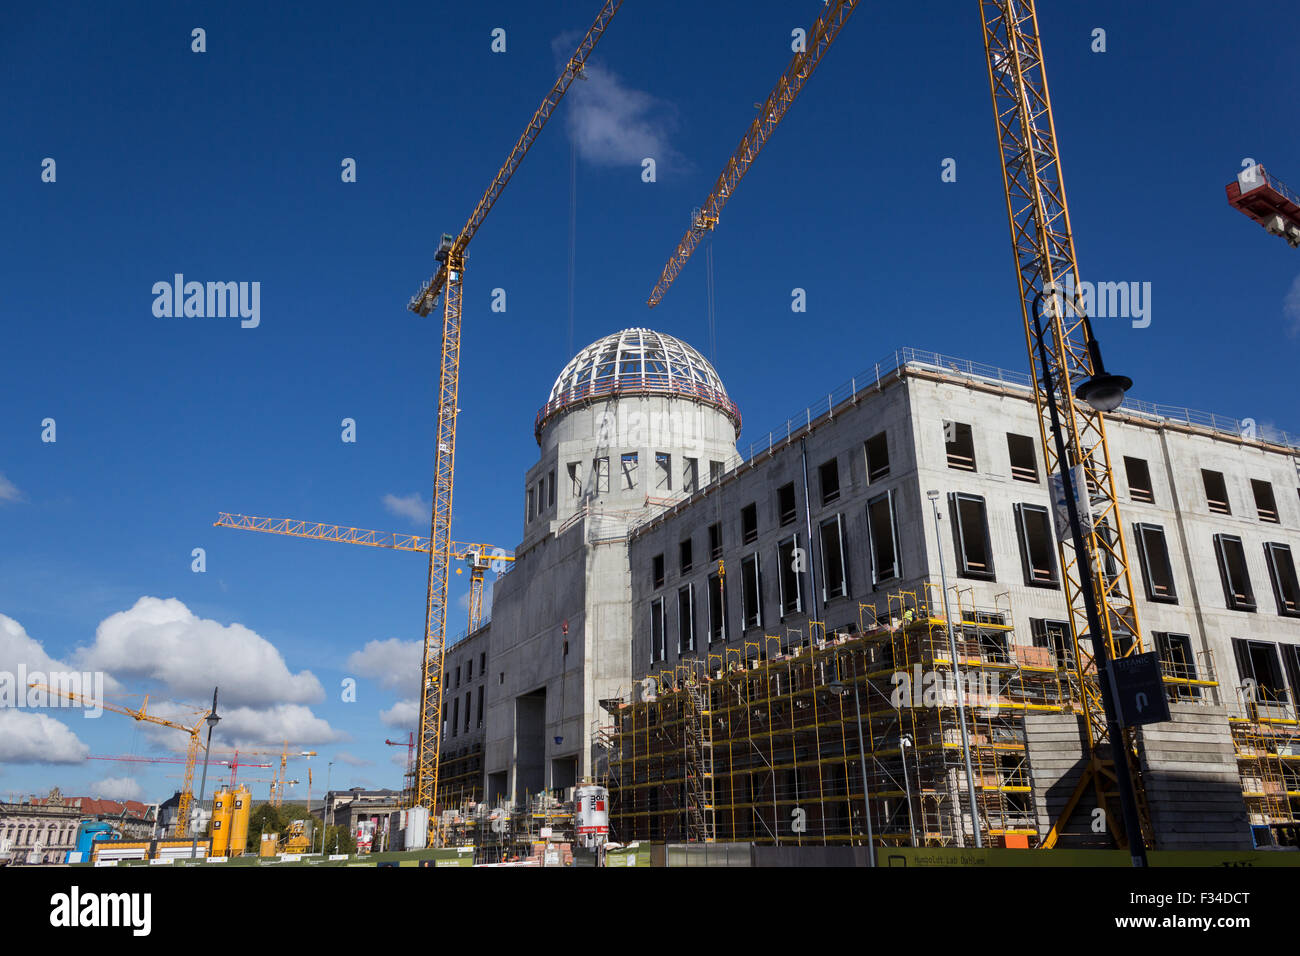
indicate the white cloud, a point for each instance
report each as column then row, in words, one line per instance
column 28, row 737
column 163, row 640
column 393, row 663
column 411, row 506
column 352, row 760
column 1291, row 308
column 9, row 491
column 405, row 714
column 611, row 123
column 247, row 727
column 117, row 788
column 17, row 647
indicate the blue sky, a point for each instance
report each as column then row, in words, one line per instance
column 225, row 166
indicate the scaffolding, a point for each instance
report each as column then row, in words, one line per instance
column 462, row 777
column 760, row 744
column 503, row 831
column 1266, row 741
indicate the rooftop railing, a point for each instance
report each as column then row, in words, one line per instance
column 638, row 384
column 900, row 359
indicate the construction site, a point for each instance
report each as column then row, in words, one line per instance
column 949, row 604
column 733, row 750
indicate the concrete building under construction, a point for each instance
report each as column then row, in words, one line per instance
column 712, row 631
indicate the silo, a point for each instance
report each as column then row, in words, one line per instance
column 592, row 813
column 241, row 810
column 222, row 805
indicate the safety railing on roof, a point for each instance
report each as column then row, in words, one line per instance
column 486, row 620
column 638, row 384
column 893, row 363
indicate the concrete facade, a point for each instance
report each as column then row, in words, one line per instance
column 1158, row 466
column 604, row 592
column 558, row 641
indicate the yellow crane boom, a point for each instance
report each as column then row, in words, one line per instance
column 142, row 714
column 823, row 33
column 480, row 557
column 447, row 282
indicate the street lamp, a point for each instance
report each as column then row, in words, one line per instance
column 933, row 495
column 329, row 772
column 837, row 687
column 905, row 741
column 212, row 720
column 1104, row 392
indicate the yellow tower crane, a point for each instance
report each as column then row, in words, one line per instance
column 281, row 781
column 278, row 780
column 481, row 558
column 142, row 714
column 447, row 284
column 1065, row 355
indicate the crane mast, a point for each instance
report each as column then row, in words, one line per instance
column 141, row 713
column 448, row 282
column 1062, row 353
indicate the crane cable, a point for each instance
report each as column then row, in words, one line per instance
column 573, row 235
column 710, row 306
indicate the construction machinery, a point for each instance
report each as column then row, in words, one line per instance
column 294, row 840
column 1267, row 200
column 142, row 714
column 481, row 558
column 1065, row 359
column 447, row 284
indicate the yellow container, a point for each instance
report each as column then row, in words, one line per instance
column 222, row 807
column 241, row 810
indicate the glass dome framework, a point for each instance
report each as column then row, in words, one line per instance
column 636, row 362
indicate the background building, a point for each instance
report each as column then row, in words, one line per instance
column 44, row 829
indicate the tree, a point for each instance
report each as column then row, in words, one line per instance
column 270, row 819
column 339, row 839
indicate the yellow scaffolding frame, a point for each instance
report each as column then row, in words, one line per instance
column 784, row 736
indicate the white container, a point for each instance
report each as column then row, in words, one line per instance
column 591, row 807
column 415, row 830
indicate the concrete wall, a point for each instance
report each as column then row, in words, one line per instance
column 757, row 482
column 559, row 638
column 1192, row 786
column 586, row 561
column 913, row 411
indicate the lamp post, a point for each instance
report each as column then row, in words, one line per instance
column 905, row 741
column 1104, row 393
column 329, row 773
column 837, row 687
column 933, row 495
column 212, row 720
